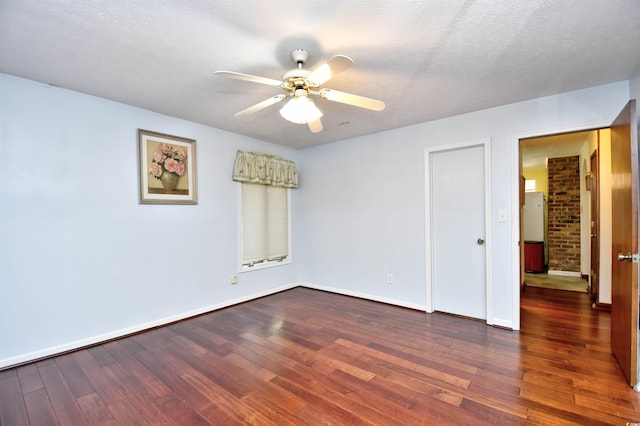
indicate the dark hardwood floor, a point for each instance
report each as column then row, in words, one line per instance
column 309, row 357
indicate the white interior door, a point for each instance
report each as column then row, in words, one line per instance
column 458, row 226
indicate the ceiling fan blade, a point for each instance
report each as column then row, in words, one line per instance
column 260, row 105
column 355, row 100
column 315, row 126
column 332, row 67
column 248, row 77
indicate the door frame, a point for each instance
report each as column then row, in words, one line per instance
column 515, row 202
column 486, row 145
column 594, row 224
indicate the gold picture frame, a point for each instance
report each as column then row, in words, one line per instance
column 166, row 169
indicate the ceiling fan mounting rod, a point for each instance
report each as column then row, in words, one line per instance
column 299, row 56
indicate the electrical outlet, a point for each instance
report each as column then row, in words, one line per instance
column 234, row 279
column 389, row 278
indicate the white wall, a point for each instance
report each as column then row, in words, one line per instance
column 634, row 88
column 80, row 259
column 364, row 198
column 606, row 219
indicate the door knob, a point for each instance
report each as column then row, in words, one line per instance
column 629, row 257
column 480, row 241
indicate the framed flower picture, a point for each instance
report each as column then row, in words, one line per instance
column 167, row 169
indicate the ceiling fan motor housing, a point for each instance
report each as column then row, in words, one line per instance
column 295, row 79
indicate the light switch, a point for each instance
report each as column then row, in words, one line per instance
column 502, row 215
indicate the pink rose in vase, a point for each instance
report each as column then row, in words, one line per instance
column 155, row 170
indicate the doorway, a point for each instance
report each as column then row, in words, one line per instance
column 557, row 169
column 618, row 167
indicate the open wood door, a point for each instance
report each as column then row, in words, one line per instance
column 624, row 279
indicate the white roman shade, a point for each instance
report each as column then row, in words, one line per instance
column 265, row 226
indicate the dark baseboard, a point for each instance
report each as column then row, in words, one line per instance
column 601, row 306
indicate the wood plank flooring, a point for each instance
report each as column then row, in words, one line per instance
column 309, row 357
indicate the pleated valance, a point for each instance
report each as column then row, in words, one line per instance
column 265, row 169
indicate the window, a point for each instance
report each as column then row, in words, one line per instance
column 264, row 226
column 530, row 185
column 264, row 208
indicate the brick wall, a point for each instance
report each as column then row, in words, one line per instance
column 564, row 214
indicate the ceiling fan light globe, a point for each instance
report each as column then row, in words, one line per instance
column 300, row 110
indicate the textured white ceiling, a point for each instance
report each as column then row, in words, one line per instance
column 426, row 59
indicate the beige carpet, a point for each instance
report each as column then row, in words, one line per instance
column 558, row 282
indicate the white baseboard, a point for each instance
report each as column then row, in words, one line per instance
column 503, row 323
column 564, row 273
column 67, row 347
column 495, row 322
column 366, row 296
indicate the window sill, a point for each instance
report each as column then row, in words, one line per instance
column 265, row 265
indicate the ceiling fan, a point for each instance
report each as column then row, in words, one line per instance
column 298, row 84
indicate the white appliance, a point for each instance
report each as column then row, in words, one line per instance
column 533, row 216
